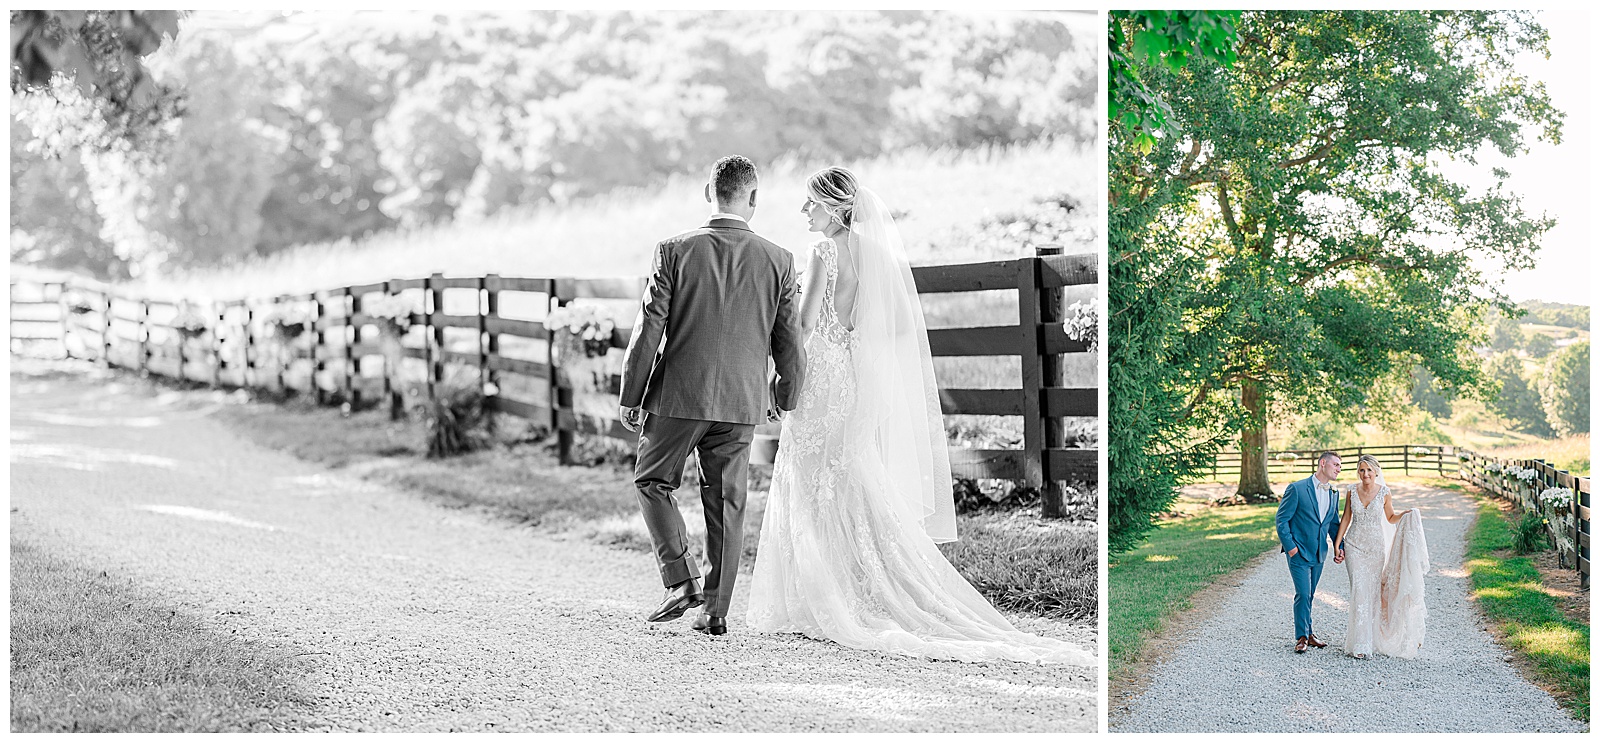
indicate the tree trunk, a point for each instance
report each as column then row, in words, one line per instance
column 1254, row 486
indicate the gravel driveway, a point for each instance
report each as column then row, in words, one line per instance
column 1238, row 671
column 417, row 618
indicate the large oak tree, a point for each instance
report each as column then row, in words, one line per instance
column 1299, row 240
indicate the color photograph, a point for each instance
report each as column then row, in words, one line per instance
column 1348, row 328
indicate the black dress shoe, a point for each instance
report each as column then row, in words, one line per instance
column 710, row 625
column 679, row 599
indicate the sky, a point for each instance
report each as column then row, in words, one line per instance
column 1555, row 179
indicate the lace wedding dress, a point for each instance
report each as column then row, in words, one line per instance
column 1388, row 613
column 840, row 560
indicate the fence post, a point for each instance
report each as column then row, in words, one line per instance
column 391, row 371
column 144, row 335
column 105, row 330
column 435, row 293
column 1029, row 301
column 352, row 338
column 249, row 375
column 563, row 437
column 219, row 314
column 488, row 342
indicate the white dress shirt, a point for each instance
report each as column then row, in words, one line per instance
column 724, row 215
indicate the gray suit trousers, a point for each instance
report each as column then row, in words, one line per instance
column 724, row 450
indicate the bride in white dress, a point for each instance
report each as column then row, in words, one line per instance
column 1386, row 556
column 861, row 488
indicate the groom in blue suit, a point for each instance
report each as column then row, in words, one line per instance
column 1308, row 522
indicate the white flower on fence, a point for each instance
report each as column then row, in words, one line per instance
column 586, row 325
column 1083, row 323
column 1423, row 450
column 392, row 310
column 1525, row 474
column 1557, row 498
column 1493, row 467
column 1287, row 456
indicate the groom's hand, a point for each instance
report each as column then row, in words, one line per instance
column 1294, row 552
column 1338, row 556
column 774, row 414
column 632, row 418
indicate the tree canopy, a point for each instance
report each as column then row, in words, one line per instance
column 315, row 127
column 1298, row 245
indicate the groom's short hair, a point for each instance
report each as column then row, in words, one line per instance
column 732, row 177
column 1326, row 454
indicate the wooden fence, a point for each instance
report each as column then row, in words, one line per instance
column 1569, row 526
column 1293, row 464
column 337, row 355
column 1570, row 530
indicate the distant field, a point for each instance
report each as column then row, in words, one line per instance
column 938, row 196
column 1555, row 331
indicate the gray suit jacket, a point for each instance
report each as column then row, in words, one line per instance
column 724, row 299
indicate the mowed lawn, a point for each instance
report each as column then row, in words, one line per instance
column 1150, row 584
column 1508, row 590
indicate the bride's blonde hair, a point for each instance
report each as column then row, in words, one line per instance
column 835, row 188
column 1369, row 459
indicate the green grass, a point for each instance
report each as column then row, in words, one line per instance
column 1509, row 592
column 93, row 653
column 1154, row 582
column 1570, row 453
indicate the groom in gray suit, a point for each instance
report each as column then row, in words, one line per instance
column 1308, row 521
column 719, row 301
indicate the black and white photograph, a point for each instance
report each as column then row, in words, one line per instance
column 556, row 371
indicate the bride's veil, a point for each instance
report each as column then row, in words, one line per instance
column 898, row 418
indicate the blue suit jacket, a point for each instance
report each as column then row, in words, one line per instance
column 1298, row 525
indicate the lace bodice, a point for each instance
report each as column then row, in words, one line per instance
column 1366, row 522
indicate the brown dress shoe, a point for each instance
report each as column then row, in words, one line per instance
column 1300, row 644
column 1314, row 642
column 679, row 599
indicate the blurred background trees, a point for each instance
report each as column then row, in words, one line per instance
column 287, row 129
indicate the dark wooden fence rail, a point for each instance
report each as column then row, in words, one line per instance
column 1485, row 472
column 331, row 358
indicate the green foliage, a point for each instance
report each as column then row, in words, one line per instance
column 1564, row 390
column 1530, row 535
column 1510, row 593
column 1306, row 186
column 1426, row 395
column 1517, row 401
column 1506, row 333
column 1141, row 39
column 1556, row 313
column 1539, row 345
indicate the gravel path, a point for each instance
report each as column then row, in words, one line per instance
column 417, row 618
column 1238, row 671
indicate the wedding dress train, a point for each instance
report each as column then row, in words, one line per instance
column 842, row 559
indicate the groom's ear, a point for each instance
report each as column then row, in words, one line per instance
column 753, row 197
column 708, row 193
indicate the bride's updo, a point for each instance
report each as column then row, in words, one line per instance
column 835, row 188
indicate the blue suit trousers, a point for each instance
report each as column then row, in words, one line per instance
column 1305, row 574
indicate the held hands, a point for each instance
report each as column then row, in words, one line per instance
column 775, row 414
column 1338, row 556
column 632, row 418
